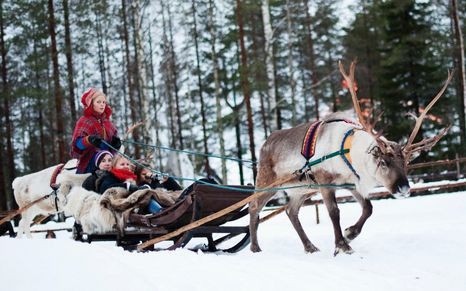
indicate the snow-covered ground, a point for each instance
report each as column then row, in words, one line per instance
column 411, row 244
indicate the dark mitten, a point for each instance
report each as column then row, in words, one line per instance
column 116, row 142
column 95, row 140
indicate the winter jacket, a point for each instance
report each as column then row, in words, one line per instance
column 91, row 183
column 87, row 125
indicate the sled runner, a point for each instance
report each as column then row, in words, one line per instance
column 203, row 201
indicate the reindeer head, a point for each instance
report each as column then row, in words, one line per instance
column 388, row 161
column 386, row 164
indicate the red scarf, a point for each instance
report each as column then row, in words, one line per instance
column 123, row 174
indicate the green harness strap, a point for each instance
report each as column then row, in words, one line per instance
column 326, row 157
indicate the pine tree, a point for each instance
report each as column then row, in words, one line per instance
column 409, row 69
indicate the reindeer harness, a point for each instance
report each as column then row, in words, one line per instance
column 310, row 140
column 53, row 183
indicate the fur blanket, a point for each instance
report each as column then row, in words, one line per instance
column 103, row 213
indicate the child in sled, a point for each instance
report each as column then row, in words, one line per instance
column 91, row 129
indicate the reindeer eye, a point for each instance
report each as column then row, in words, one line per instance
column 383, row 164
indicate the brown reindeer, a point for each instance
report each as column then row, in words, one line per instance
column 372, row 160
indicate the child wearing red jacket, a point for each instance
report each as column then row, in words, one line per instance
column 91, row 129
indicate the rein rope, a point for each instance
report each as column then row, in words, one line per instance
column 271, row 189
column 188, row 152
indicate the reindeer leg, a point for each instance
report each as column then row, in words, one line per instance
column 255, row 207
column 331, row 203
column 292, row 211
column 353, row 231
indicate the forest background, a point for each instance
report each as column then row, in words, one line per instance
column 217, row 77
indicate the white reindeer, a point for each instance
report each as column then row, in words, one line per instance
column 372, row 160
column 33, row 186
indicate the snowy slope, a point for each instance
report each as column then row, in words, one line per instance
column 411, row 244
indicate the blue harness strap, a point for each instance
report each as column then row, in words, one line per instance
column 347, row 134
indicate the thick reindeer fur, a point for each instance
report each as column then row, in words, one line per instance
column 281, row 155
column 86, row 209
column 36, row 185
column 103, row 213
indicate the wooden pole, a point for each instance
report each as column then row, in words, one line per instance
column 12, row 214
column 436, row 163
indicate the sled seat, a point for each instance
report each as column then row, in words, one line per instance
column 201, row 202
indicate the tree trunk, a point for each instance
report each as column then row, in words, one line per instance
column 174, row 71
column 201, row 97
column 6, row 108
column 311, row 62
column 3, row 193
column 269, row 62
column 218, row 105
column 290, row 64
column 57, row 89
column 236, row 113
column 100, row 54
column 69, row 63
column 140, row 69
column 245, row 86
column 155, row 102
column 48, row 111
column 169, row 75
column 40, row 120
column 136, row 64
column 259, row 75
column 132, row 102
column 459, row 53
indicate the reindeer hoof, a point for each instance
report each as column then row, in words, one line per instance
column 255, row 249
column 351, row 233
column 311, row 249
column 343, row 248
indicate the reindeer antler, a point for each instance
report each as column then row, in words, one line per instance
column 428, row 143
column 129, row 131
column 350, row 82
column 349, row 78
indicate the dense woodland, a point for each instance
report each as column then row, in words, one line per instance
column 218, row 77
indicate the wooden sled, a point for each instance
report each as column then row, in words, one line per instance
column 203, row 201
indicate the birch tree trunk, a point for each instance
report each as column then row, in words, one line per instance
column 245, row 86
column 311, row 62
column 57, row 89
column 290, row 64
column 270, row 68
column 459, row 52
column 69, row 63
column 218, row 104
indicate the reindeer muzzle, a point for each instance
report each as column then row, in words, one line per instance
column 402, row 191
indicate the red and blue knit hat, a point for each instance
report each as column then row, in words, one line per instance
column 88, row 96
